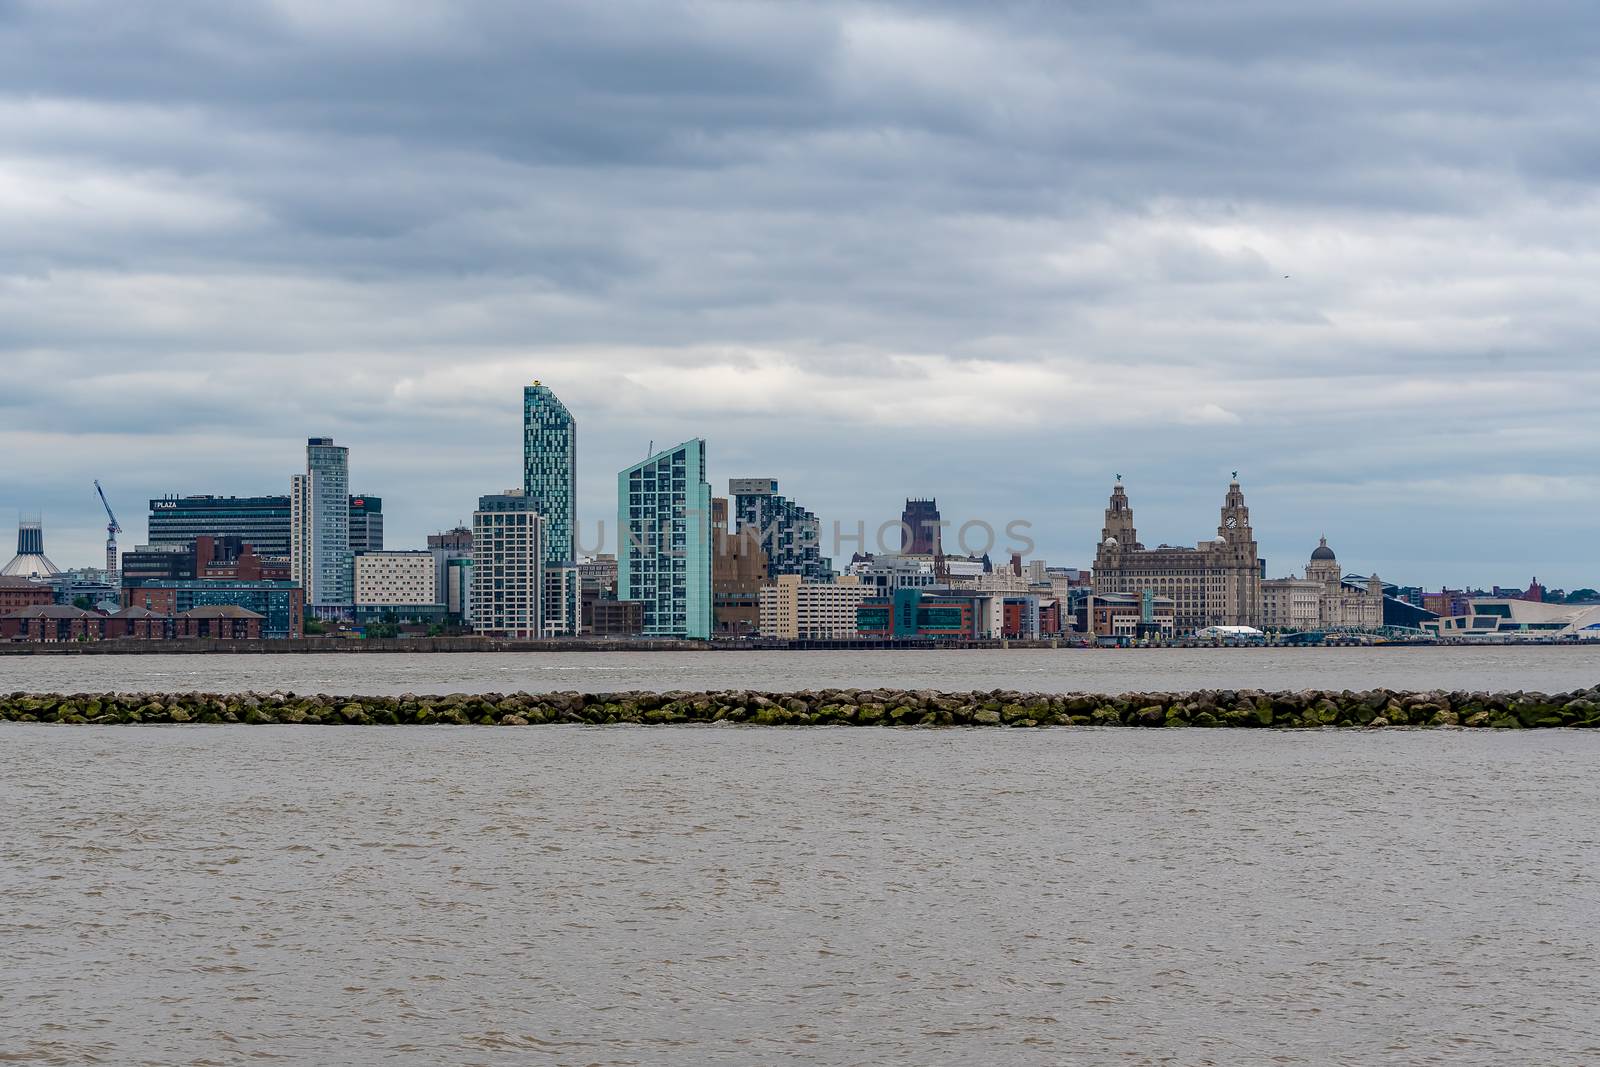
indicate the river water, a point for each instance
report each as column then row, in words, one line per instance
column 728, row 895
column 1546, row 668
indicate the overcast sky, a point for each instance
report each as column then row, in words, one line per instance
column 994, row 253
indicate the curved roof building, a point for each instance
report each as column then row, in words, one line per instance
column 30, row 561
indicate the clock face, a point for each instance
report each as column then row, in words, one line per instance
column 1233, row 522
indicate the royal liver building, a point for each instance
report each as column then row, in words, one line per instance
column 1215, row 583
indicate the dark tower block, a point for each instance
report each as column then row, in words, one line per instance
column 920, row 536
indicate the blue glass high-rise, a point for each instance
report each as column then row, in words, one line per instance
column 550, row 482
column 664, row 530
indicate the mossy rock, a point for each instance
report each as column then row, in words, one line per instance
column 1150, row 715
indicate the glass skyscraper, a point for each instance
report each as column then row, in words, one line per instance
column 550, row 483
column 319, row 526
column 664, row 530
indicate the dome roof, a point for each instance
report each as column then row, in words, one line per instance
column 1322, row 551
column 32, row 565
column 30, row 561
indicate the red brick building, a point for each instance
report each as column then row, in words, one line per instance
column 228, row 558
column 19, row 593
column 140, row 624
column 52, row 623
column 220, row 621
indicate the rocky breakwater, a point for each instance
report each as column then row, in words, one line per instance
column 830, row 707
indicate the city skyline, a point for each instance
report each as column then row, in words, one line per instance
column 1151, row 241
column 880, row 537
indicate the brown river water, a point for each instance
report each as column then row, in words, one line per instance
column 1548, row 668
column 731, row 895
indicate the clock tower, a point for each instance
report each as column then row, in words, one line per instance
column 1236, row 559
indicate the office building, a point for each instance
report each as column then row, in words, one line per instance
column 664, row 529
column 789, row 535
column 1122, row 618
column 1325, row 599
column 259, row 521
column 19, row 593
column 1215, row 583
column 508, row 586
column 614, row 618
column 456, row 592
column 550, row 483
column 598, row 575
column 281, row 604
column 170, row 562
column 919, row 614
column 366, row 524
column 204, row 557
column 884, row 573
column 563, row 600
column 457, row 541
column 319, row 529
column 795, row 610
column 1290, row 605
column 597, row 581
column 1031, row 616
column 452, row 570
column 399, row 585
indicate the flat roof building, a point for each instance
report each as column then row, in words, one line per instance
column 507, row 567
column 664, row 526
column 794, row 610
column 261, row 521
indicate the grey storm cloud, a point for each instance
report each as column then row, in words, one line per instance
column 989, row 252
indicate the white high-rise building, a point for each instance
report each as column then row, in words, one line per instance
column 508, row 573
column 319, row 528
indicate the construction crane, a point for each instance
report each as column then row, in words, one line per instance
column 113, row 527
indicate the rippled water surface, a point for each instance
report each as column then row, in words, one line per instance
column 1547, row 668
column 695, row 895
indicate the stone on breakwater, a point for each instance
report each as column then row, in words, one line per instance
column 1245, row 709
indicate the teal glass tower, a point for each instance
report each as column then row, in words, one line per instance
column 550, row 483
column 664, row 530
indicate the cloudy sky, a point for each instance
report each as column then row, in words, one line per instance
column 996, row 253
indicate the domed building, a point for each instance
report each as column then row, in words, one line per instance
column 1323, row 599
column 30, row 560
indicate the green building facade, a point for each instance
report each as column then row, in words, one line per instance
column 664, row 534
